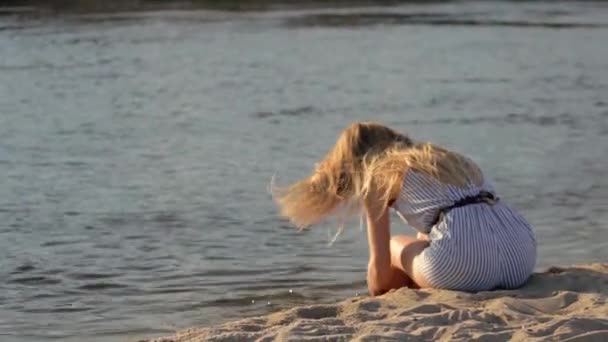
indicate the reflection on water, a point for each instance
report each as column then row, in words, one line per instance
column 136, row 147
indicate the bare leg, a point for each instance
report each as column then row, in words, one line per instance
column 404, row 250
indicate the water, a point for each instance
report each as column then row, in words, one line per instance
column 136, row 149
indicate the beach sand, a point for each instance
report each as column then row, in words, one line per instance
column 560, row 304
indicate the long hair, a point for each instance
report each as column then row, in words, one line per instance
column 367, row 154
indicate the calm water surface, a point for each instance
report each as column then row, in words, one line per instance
column 136, row 149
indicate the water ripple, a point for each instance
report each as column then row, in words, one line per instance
column 91, row 276
column 56, row 310
column 23, row 269
column 564, row 119
column 35, row 280
column 288, row 112
column 102, row 286
column 363, row 19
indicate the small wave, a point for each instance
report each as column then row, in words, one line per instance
column 92, row 276
column 474, row 80
column 163, row 219
column 102, row 286
column 564, row 119
column 135, row 237
column 432, row 19
column 23, row 269
column 576, row 218
column 222, row 220
column 53, row 310
column 46, row 66
column 146, row 248
column 12, row 10
column 299, row 269
column 169, row 219
column 292, row 112
column 139, row 267
column 172, row 290
column 59, row 243
column 13, row 28
column 35, row 280
column 75, row 163
column 232, row 273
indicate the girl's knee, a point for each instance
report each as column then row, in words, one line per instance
column 404, row 248
column 398, row 243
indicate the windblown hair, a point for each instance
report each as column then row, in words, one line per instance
column 368, row 154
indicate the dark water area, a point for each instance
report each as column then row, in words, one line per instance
column 117, row 6
column 136, row 148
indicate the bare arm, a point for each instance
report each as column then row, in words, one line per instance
column 381, row 275
column 378, row 239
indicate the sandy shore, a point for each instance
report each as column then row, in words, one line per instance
column 561, row 304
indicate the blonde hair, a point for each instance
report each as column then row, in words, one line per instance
column 368, row 154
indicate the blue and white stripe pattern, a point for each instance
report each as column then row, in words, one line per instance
column 476, row 247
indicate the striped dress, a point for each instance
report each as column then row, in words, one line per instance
column 476, row 247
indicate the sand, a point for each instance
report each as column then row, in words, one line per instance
column 560, row 304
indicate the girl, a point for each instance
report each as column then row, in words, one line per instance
column 467, row 239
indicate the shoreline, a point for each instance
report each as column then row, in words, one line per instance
column 559, row 304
